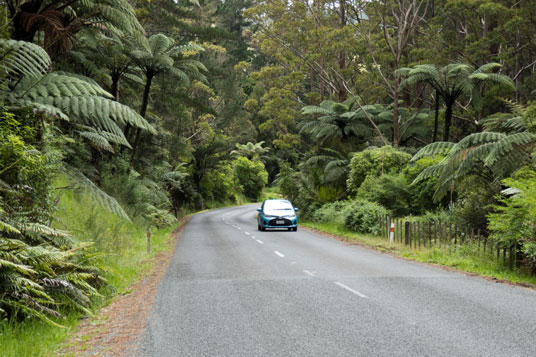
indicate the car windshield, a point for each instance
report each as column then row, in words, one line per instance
column 278, row 208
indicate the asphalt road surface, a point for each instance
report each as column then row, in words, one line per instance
column 234, row 291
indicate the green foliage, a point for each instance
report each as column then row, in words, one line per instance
column 71, row 97
column 219, row 185
column 250, row 175
column 362, row 216
column 474, row 201
column 44, row 272
column 250, row 150
column 454, row 81
column 491, row 155
column 286, row 181
column 514, row 222
column 375, row 162
column 392, row 191
column 357, row 215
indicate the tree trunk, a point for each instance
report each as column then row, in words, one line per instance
column 146, row 92
column 448, row 119
column 143, row 111
column 436, row 117
column 396, row 120
column 342, row 55
column 115, row 85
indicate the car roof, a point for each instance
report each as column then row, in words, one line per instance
column 276, row 201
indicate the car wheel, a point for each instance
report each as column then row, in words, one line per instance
column 263, row 228
column 258, row 226
column 295, row 228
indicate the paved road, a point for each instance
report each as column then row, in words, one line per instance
column 234, row 291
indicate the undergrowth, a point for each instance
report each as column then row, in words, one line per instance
column 121, row 250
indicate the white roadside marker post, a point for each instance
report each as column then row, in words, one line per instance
column 392, row 234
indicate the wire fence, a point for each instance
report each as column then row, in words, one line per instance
column 433, row 233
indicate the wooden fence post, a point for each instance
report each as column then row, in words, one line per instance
column 407, row 228
column 478, row 239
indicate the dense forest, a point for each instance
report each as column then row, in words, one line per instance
column 348, row 108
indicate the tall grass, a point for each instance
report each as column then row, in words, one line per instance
column 121, row 250
column 465, row 257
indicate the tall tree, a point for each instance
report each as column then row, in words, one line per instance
column 163, row 55
column 399, row 23
column 60, row 20
column 453, row 81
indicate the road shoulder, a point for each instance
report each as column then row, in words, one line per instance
column 118, row 327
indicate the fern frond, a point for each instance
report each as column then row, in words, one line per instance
column 105, row 200
column 23, row 59
column 431, row 171
column 507, row 144
column 437, row 148
column 313, row 109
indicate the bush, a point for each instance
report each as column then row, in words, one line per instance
column 514, row 222
column 423, row 192
column 251, row 176
column 219, row 184
column 362, row 216
column 390, row 191
column 375, row 162
column 475, row 201
column 357, row 215
column 331, row 212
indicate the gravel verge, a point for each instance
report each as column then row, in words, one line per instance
column 119, row 326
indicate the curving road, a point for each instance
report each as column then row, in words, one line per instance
column 234, row 291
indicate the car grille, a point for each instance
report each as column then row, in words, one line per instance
column 279, row 222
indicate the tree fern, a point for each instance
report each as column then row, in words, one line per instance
column 454, row 81
column 491, row 155
column 67, row 95
column 86, row 185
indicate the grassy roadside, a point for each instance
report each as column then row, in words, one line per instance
column 464, row 258
column 120, row 248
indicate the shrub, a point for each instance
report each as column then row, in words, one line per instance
column 375, row 162
column 390, row 191
column 331, row 212
column 219, row 184
column 362, row 216
column 250, row 175
column 423, row 191
column 475, row 201
column 514, row 222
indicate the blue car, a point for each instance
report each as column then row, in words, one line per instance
column 277, row 213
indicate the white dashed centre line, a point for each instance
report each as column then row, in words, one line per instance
column 309, row 273
column 351, row 290
column 247, row 233
column 260, row 241
column 279, row 254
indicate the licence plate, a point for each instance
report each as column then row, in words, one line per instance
column 280, row 222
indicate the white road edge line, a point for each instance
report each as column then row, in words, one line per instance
column 281, row 255
column 260, row 241
column 308, row 273
column 351, row 290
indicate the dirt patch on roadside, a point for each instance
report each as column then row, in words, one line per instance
column 117, row 329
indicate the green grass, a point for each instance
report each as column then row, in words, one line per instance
column 33, row 338
column 465, row 258
column 121, row 249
